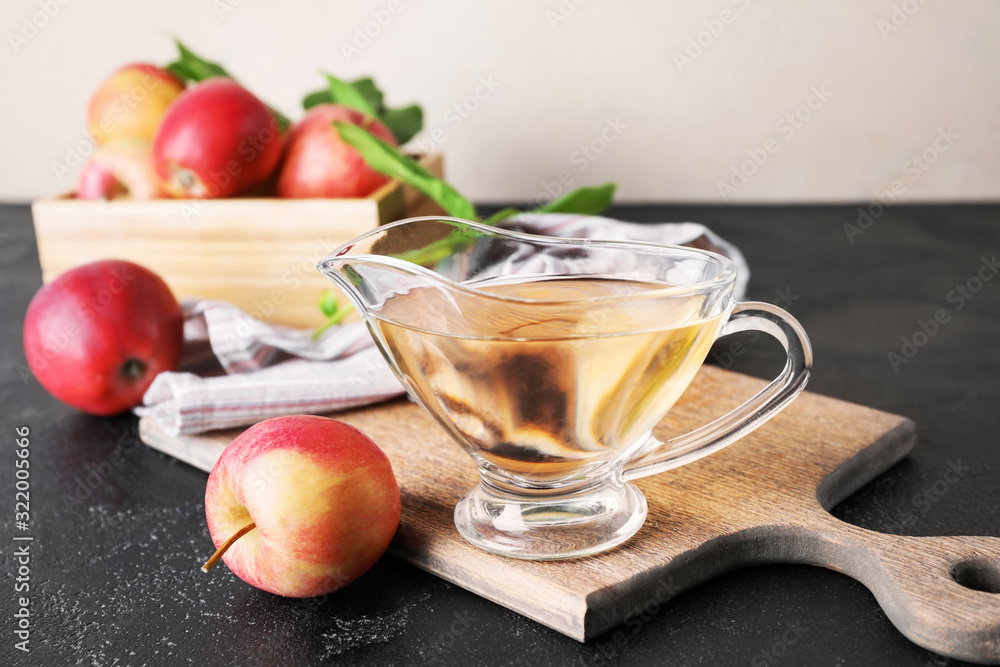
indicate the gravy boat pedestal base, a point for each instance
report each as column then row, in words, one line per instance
column 548, row 528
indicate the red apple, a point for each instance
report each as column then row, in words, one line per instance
column 97, row 335
column 216, row 140
column 130, row 103
column 120, row 169
column 301, row 506
column 318, row 163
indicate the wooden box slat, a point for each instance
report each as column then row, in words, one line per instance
column 240, row 250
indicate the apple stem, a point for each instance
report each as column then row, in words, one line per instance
column 133, row 368
column 186, row 179
column 221, row 550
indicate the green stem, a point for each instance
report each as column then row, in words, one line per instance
column 334, row 320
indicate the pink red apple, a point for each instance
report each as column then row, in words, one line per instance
column 97, row 335
column 216, row 140
column 120, row 169
column 130, row 103
column 301, row 506
column 318, row 163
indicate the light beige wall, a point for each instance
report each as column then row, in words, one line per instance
column 887, row 80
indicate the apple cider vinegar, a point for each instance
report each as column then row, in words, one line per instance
column 584, row 369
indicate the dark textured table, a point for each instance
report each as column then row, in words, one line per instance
column 119, row 532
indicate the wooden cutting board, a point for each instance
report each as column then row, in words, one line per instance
column 761, row 500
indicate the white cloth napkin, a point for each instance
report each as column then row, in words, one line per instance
column 272, row 370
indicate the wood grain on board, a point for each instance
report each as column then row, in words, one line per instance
column 762, row 500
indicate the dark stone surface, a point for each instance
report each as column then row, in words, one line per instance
column 114, row 569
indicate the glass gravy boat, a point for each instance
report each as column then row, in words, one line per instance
column 550, row 361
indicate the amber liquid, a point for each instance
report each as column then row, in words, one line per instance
column 546, row 389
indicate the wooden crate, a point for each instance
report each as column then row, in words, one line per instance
column 260, row 254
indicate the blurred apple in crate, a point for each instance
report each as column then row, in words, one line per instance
column 179, row 130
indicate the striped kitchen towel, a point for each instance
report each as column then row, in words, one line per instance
column 259, row 370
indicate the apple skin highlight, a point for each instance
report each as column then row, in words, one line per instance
column 322, row 495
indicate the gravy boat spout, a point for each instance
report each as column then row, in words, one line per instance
column 421, row 256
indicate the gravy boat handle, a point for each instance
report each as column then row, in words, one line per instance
column 658, row 456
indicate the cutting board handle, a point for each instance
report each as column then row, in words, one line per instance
column 943, row 593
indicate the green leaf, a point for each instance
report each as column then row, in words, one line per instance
column 586, row 201
column 365, row 96
column 328, row 303
column 345, row 93
column 434, row 252
column 367, row 89
column 387, row 159
column 330, row 307
column 192, row 67
column 316, row 97
column 404, row 122
column 284, row 122
column 502, row 214
column 189, row 66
